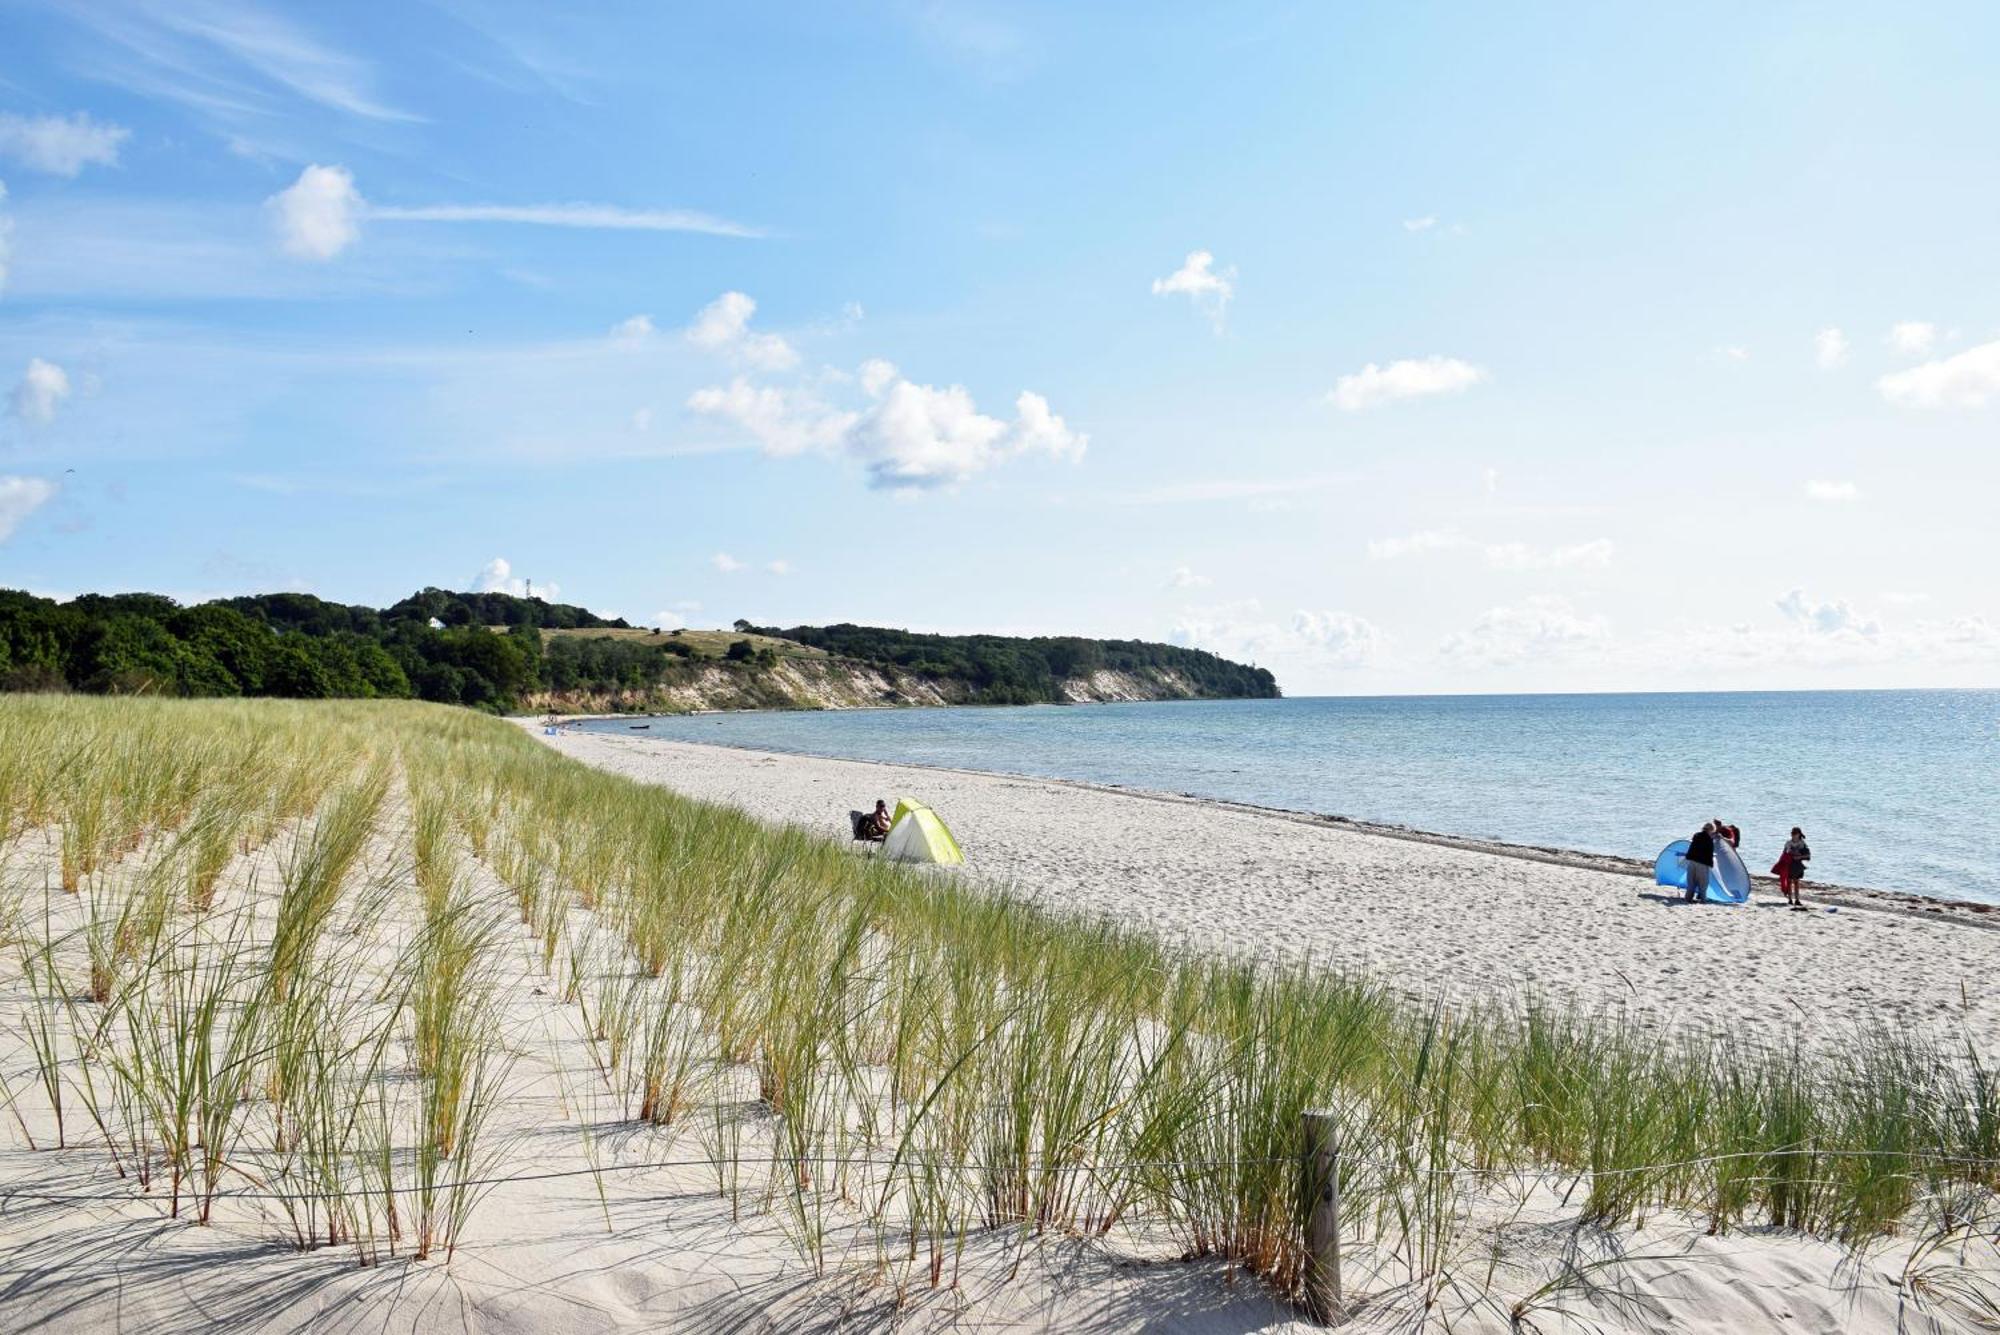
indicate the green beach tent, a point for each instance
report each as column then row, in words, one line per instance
column 916, row 834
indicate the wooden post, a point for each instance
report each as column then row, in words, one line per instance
column 1321, row 1176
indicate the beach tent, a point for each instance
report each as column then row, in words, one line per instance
column 1728, row 883
column 916, row 834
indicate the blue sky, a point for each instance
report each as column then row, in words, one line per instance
column 1397, row 347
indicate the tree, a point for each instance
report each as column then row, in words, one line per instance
column 742, row 651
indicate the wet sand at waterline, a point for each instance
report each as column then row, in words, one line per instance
column 1428, row 915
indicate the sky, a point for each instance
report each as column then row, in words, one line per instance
column 1395, row 347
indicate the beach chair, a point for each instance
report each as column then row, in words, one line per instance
column 861, row 824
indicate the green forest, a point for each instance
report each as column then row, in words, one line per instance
column 489, row 651
column 1012, row 670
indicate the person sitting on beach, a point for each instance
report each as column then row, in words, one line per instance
column 879, row 822
column 1790, row 869
column 1700, row 858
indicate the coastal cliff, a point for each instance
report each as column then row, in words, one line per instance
column 833, row 683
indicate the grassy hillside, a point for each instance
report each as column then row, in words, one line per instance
column 712, row 644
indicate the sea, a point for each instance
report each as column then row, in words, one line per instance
column 1895, row 790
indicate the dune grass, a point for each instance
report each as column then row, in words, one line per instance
column 929, row 1060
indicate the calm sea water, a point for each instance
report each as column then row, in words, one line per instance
column 1899, row 790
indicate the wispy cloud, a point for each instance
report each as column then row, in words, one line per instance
column 1913, row 338
column 42, row 390
column 606, row 217
column 1831, row 492
column 230, row 62
column 60, row 145
column 320, row 214
column 1212, row 490
column 1967, row 380
column 1202, row 283
column 19, row 498
column 1595, row 554
column 1373, row 386
column 1830, row 348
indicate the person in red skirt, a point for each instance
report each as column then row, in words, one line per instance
column 1790, row 868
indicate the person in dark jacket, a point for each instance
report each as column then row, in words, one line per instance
column 1700, row 860
column 1791, row 866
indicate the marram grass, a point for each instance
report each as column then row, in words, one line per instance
column 932, row 1060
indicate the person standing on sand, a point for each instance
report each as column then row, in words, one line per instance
column 1700, row 858
column 1791, row 867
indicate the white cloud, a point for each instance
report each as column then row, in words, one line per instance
column 19, row 498
column 41, row 392
column 594, row 217
column 1489, row 481
column 779, row 567
column 1374, row 385
column 667, row 620
column 1198, row 280
column 876, row 376
column 633, row 329
column 60, row 145
column 1339, row 639
column 1913, row 338
column 919, row 436
column 642, row 419
column 1833, row 618
column 724, row 564
column 1534, row 629
column 724, row 326
column 1593, row 555
column 1183, row 577
column 6, row 238
column 318, row 215
column 1905, row 599
column 497, row 576
column 1831, row 493
column 909, row 437
column 1964, row 381
column 1423, row 224
column 1245, row 632
column 1735, row 353
column 1830, row 348
column 1415, row 544
column 784, row 422
column 260, row 41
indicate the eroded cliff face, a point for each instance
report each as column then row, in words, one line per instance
column 1105, row 686
column 812, row 683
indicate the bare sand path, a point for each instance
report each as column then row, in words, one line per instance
column 1429, row 916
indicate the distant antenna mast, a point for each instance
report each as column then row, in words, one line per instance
column 531, row 588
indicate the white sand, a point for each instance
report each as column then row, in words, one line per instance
column 1427, row 915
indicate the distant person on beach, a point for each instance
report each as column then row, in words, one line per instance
column 1700, row 858
column 879, row 822
column 1728, row 831
column 1790, row 868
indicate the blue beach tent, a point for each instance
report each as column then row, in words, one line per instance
column 1729, row 883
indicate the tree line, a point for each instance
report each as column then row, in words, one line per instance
column 479, row 649
column 487, row 651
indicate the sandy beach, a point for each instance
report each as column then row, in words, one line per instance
column 1432, row 916
column 590, row 1218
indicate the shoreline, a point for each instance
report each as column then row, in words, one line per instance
column 1435, row 919
column 1904, row 903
